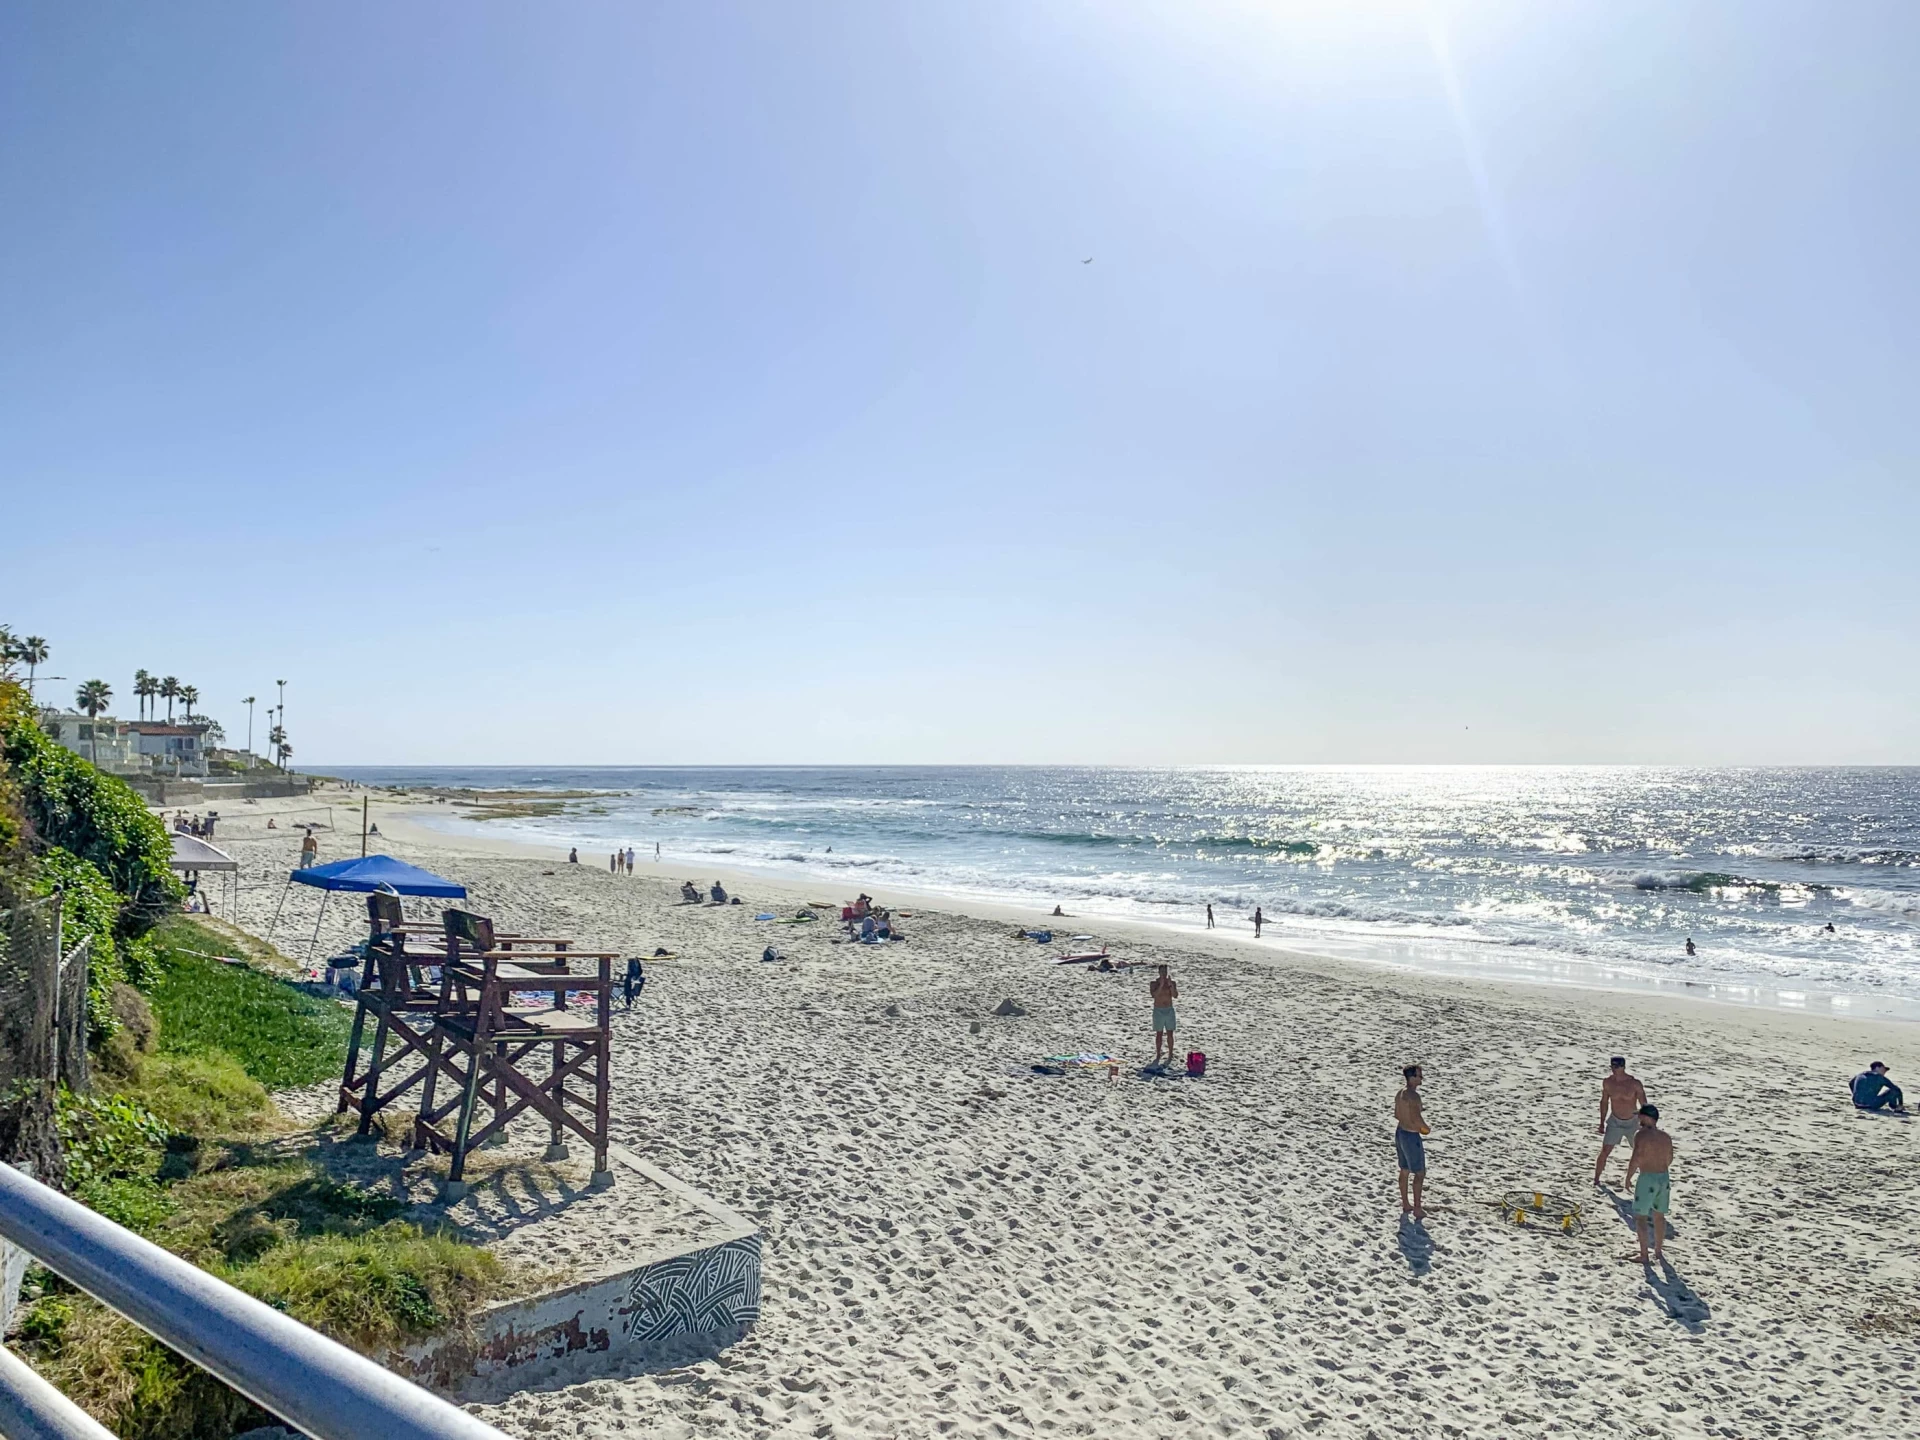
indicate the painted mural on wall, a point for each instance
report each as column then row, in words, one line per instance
column 708, row 1293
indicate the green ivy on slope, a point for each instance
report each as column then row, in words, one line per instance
column 74, row 806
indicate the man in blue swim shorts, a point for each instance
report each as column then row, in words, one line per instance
column 1651, row 1161
column 1409, row 1144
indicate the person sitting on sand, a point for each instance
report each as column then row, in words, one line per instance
column 1409, row 1143
column 1872, row 1090
column 1165, row 1018
column 689, row 892
column 718, row 894
column 1653, row 1191
column 1621, row 1097
column 270, row 824
column 1060, row 914
column 573, row 856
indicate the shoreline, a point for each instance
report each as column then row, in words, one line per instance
column 1417, row 958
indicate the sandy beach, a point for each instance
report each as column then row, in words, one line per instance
column 955, row 1245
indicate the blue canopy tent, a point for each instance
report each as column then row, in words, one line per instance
column 365, row 874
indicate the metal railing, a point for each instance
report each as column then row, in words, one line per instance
column 314, row 1384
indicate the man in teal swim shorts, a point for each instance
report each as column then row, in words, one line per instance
column 1647, row 1172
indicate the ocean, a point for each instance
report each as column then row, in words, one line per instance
column 1798, row 887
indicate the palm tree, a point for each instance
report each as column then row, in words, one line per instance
column 189, row 696
column 9, row 651
column 249, row 704
column 169, row 692
column 92, row 697
column 143, row 690
column 277, row 738
column 33, row 651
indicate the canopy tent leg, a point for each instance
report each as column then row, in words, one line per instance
column 277, row 909
column 325, row 896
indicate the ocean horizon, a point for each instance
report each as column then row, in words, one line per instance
column 1798, row 886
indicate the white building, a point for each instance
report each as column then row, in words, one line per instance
column 107, row 742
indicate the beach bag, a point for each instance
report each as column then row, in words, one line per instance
column 1196, row 1065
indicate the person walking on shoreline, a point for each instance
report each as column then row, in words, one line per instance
column 1258, row 921
column 1209, row 917
column 1165, row 1019
column 1621, row 1097
column 1409, row 1143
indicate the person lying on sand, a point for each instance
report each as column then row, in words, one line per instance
column 1652, row 1159
column 1872, row 1090
column 1409, row 1144
column 1165, row 1019
column 1620, row 1097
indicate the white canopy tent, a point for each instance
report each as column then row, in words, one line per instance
column 194, row 856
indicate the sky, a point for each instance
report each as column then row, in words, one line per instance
column 996, row 381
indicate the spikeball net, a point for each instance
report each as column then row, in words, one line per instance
column 1537, row 1210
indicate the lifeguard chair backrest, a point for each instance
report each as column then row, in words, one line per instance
column 384, row 910
column 475, row 931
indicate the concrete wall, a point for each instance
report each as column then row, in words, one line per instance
column 696, row 1301
column 679, row 1302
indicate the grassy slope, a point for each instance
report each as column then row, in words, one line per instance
column 238, row 1192
column 281, row 1036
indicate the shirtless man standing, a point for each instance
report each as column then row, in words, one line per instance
column 1410, row 1124
column 1165, row 1020
column 1620, row 1096
column 1652, row 1158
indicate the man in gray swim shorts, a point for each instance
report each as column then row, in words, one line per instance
column 1621, row 1097
column 1165, row 1021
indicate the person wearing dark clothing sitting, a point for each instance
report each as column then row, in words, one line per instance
column 635, row 981
column 1872, row 1090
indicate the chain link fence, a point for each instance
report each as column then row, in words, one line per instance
column 43, row 1029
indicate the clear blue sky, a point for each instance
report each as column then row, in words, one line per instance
column 701, row 382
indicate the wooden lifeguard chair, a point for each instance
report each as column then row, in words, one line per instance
column 505, row 1058
column 397, row 987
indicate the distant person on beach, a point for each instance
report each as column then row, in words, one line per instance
column 1166, row 1019
column 573, row 856
column 1653, row 1190
column 309, row 851
column 629, row 859
column 1209, row 917
column 718, row 894
column 613, row 863
column 1060, row 914
column 1689, row 945
column 1621, row 1097
column 656, row 852
column 1409, row 1143
column 1258, row 921
column 1872, row 1090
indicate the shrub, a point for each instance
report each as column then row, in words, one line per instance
column 205, row 1095
column 106, row 1137
column 72, row 804
column 89, row 908
column 374, row 1289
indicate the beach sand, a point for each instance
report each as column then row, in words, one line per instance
column 956, row 1246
